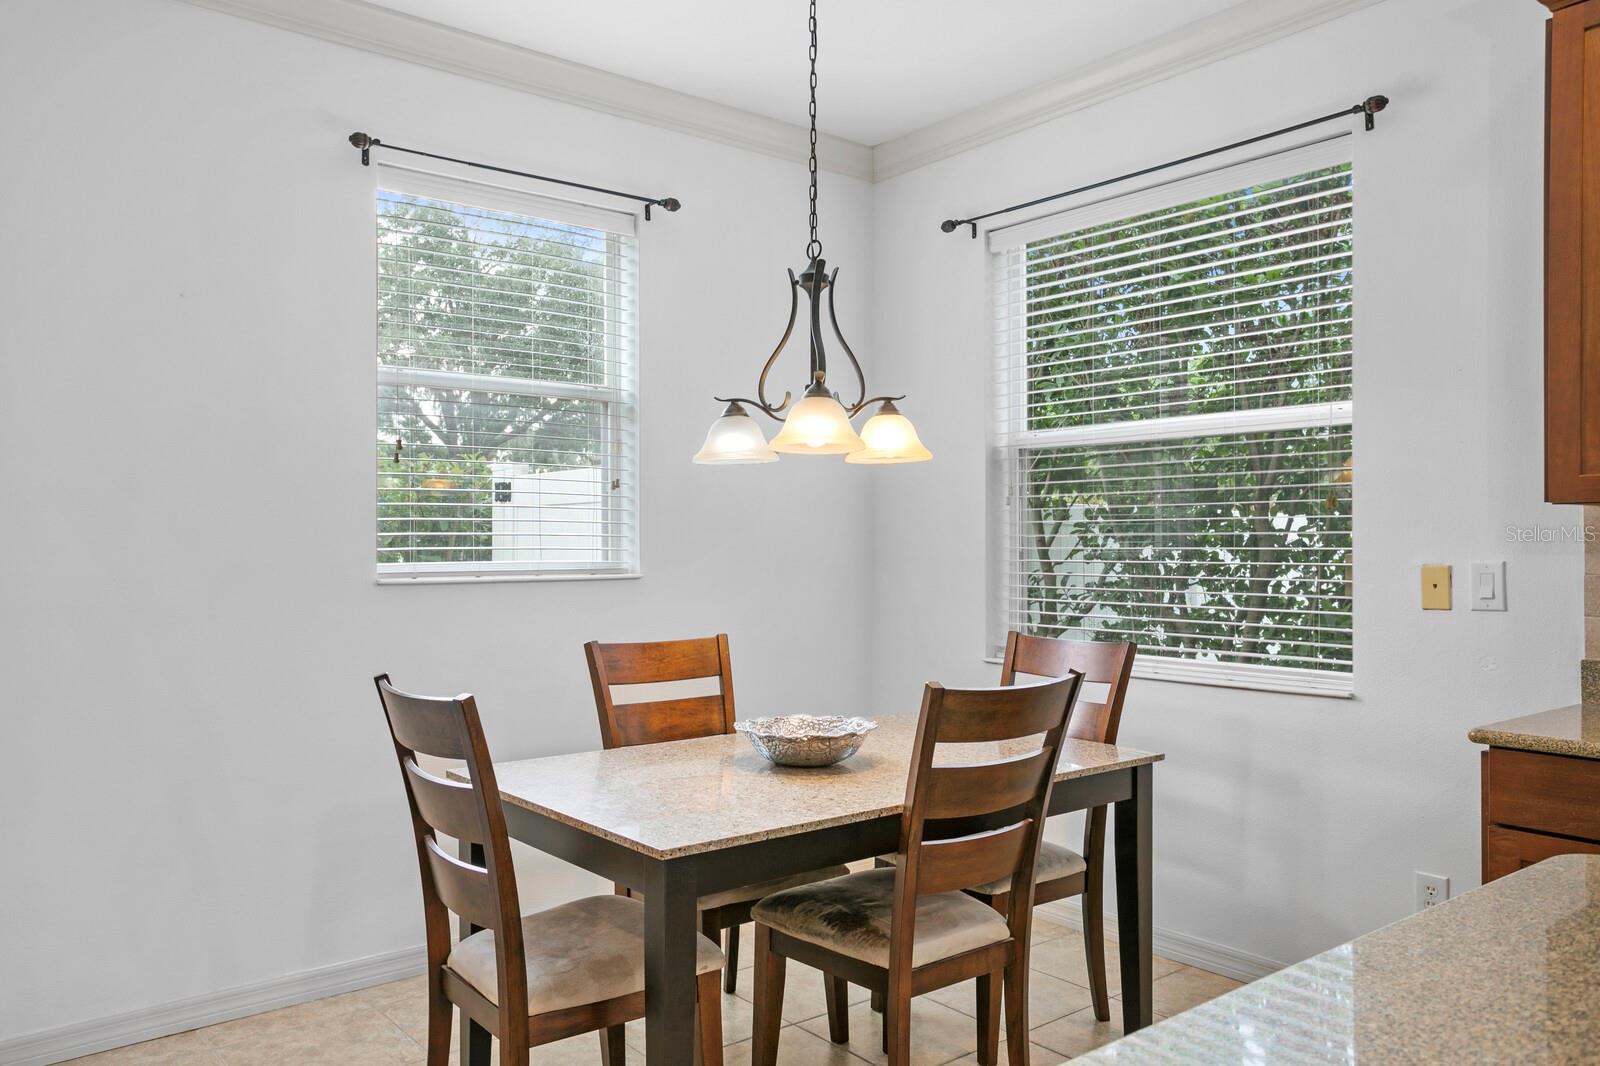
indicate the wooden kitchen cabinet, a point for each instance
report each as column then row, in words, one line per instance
column 1537, row 804
column 1572, row 254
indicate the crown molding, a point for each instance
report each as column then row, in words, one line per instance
column 1229, row 32
column 400, row 36
column 366, row 26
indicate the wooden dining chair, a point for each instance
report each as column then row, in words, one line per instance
column 682, row 718
column 1062, row 872
column 911, row 929
column 524, row 979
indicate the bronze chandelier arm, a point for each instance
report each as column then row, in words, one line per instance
column 761, row 382
column 770, row 412
column 833, row 317
column 864, row 404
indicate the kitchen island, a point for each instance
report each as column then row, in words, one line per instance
column 1506, row 973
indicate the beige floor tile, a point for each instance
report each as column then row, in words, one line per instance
column 1079, row 1033
column 796, row 1047
column 1037, row 1056
column 1065, row 958
column 1187, row 987
column 355, row 1038
column 938, row 1033
column 181, row 1049
column 273, row 1024
column 1048, row 928
column 803, row 995
column 1048, row 998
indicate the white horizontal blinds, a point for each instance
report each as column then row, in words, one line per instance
column 1173, row 420
column 506, row 373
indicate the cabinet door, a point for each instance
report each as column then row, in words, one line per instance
column 1572, row 257
column 1508, row 850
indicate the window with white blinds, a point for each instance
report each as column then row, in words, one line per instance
column 507, row 413
column 1173, row 424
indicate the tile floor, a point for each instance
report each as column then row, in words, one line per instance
column 386, row 1025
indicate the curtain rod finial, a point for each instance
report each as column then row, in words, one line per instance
column 671, row 203
column 949, row 225
column 1371, row 106
column 364, row 142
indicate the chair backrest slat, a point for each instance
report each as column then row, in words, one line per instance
column 657, row 662
column 991, row 714
column 449, row 807
column 1100, row 663
column 463, row 888
column 661, row 660
column 961, row 862
column 660, row 720
column 426, row 724
column 963, row 791
column 483, row 896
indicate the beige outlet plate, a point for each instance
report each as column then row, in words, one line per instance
column 1435, row 587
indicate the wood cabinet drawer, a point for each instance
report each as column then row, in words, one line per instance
column 1544, row 793
column 1509, row 850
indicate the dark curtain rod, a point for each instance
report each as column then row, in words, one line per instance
column 1369, row 107
column 366, row 143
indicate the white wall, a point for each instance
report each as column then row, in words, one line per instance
column 200, row 793
column 1287, row 824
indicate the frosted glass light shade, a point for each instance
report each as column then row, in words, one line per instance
column 818, row 425
column 735, row 438
column 890, row 438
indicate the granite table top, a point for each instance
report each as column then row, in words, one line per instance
column 1573, row 730
column 1506, row 973
column 689, row 796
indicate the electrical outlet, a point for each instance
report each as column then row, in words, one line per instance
column 1432, row 890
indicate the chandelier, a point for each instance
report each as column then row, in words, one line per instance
column 818, row 423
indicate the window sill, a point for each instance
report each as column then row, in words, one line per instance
column 494, row 579
column 1230, row 675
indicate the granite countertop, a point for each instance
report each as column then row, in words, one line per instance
column 1571, row 730
column 690, row 796
column 1507, row 973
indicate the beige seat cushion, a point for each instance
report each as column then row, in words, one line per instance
column 1054, row 862
column 586, row 951
column 750, row 893
column 851, row 915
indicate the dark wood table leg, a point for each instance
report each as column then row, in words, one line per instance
column 1133, row 898
column 670, row 928
column 474, row 1037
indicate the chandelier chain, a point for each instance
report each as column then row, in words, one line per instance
column 814, row 248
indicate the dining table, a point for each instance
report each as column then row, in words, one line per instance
column 678, row 820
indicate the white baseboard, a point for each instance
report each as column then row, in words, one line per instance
column 86, row 1038
column 1180, row 947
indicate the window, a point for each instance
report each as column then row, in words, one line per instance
column 1172, row 437
column 507, row 416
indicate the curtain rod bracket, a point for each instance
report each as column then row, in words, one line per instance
column 367, row 143
column 1371, row 106
column 1367, row 108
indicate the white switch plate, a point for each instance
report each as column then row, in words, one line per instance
column 1486, row 586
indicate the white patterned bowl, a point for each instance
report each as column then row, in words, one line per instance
column 806, row 740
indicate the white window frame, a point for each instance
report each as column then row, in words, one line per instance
column 618, row 395
column 1008, row 439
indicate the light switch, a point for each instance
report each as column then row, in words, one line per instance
column 1435, row 586
column 1489, row 586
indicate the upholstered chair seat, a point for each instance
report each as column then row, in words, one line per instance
column 851, row 916
column 585, row 951
column 1055, row 862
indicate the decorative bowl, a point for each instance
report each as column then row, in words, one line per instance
column 806, row 740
